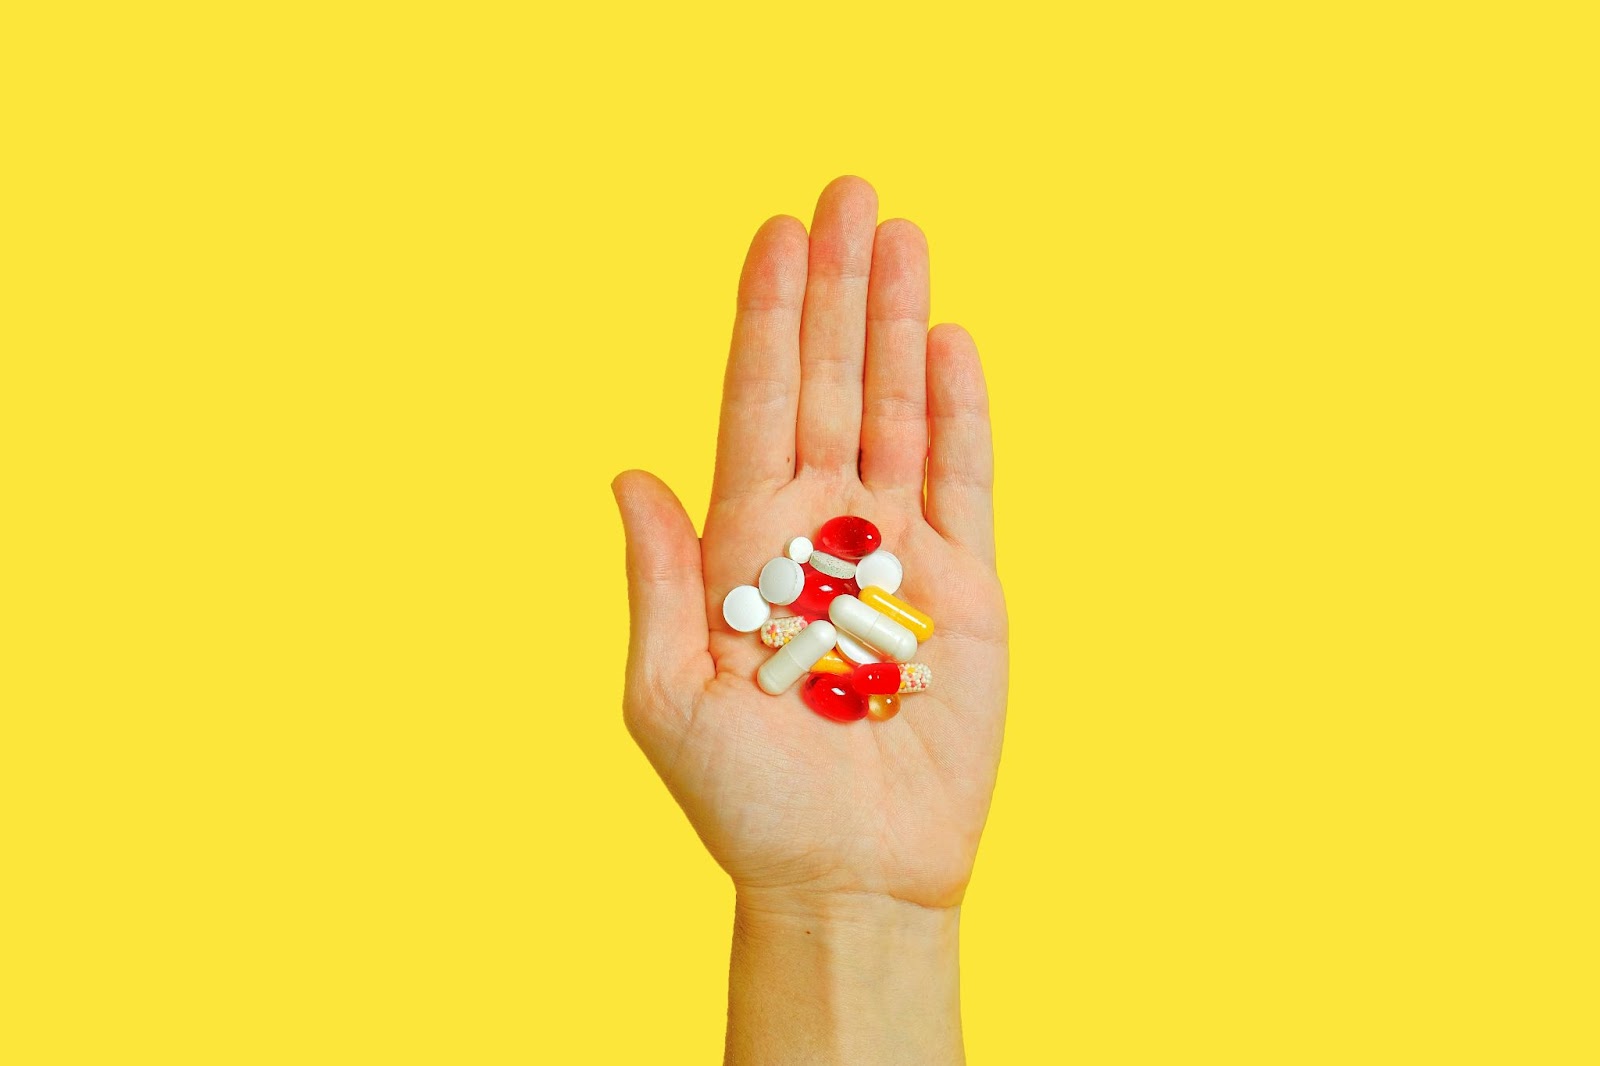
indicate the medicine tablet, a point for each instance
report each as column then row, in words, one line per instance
column 880, row 570
column 745, row 610
column 832, row 565
column 799, row 549
column 855, row 651
column 781, row 582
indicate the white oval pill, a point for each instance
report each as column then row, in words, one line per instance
column 794, row 659
column 880, row 570
column 854, row 650
column 781, row 581
column 798, row 549
column 745, row 610
column 877, row 631
column 832, row 565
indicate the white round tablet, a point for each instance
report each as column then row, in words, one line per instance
column 881, row 570
column 798, row 549
column 781, row 581
column 745, row 610
column 853, row 649
column 832, row 565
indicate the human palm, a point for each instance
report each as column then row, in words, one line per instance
column 837, row 400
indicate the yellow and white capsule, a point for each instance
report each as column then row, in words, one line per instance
column 921, row 625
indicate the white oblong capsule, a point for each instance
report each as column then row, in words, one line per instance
column 781, row 582
column 793, row 661
column 744, row 609
column 832, row 565
column 878, row 631
column 854, row 650
column 881, row 569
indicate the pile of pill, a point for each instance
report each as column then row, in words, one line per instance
column 849, row 632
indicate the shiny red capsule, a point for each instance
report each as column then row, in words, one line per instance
column 833, row 697
column 819, row 591
column 849, row 537
column 871, row 678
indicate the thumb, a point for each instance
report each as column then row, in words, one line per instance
column 668, row 635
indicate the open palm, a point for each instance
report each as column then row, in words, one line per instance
column 837, row 400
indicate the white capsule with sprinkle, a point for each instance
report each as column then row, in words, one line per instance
column 832, row 565
column 878, row 631
column 780, row 631
column 792, row 661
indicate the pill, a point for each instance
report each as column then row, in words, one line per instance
column 819, row 592
column 855, row 651
column 833, row 663
column 882, row 570
column 799, row 549
column 875, row 630
column 921, row 625
column 915, row 677
column 745, row 610
column 882, row 706
column 794, row 659
column 849, row 537
column 832, row 697
column 781, row 581
column 832, row 565
column 780, row 631
column 876, row 678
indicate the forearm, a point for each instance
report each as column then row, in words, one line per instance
column 861, row 979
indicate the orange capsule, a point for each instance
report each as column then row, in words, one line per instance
column 833, row 663
column 881, row 708
column 921, row 625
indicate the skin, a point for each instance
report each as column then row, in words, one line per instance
column 850, row 845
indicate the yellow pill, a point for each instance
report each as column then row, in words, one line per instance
column 921, row 625
column 833, row 663
column 881, row 708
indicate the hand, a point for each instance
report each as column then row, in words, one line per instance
column 836, row 393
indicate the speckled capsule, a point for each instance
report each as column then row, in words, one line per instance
column 915, row 677
column 780, row 631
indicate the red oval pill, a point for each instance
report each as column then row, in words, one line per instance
column 819, row 591
column 833, row 697
column 849, row 537
column 870, row 678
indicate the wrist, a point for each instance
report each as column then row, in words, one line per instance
column 843, row 977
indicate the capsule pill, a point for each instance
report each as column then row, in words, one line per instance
column 875, row 630
column 921, row 625
column 780, row 631
column 833, row 697
column 794, row 659
column 833, row 663
column 915, row 677
column 882, row 706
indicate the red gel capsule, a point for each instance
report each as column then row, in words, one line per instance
column 849, row 537
column 876, row 678
column 832, row 697
column 819, row 591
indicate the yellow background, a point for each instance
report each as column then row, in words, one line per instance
column 325, row 328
